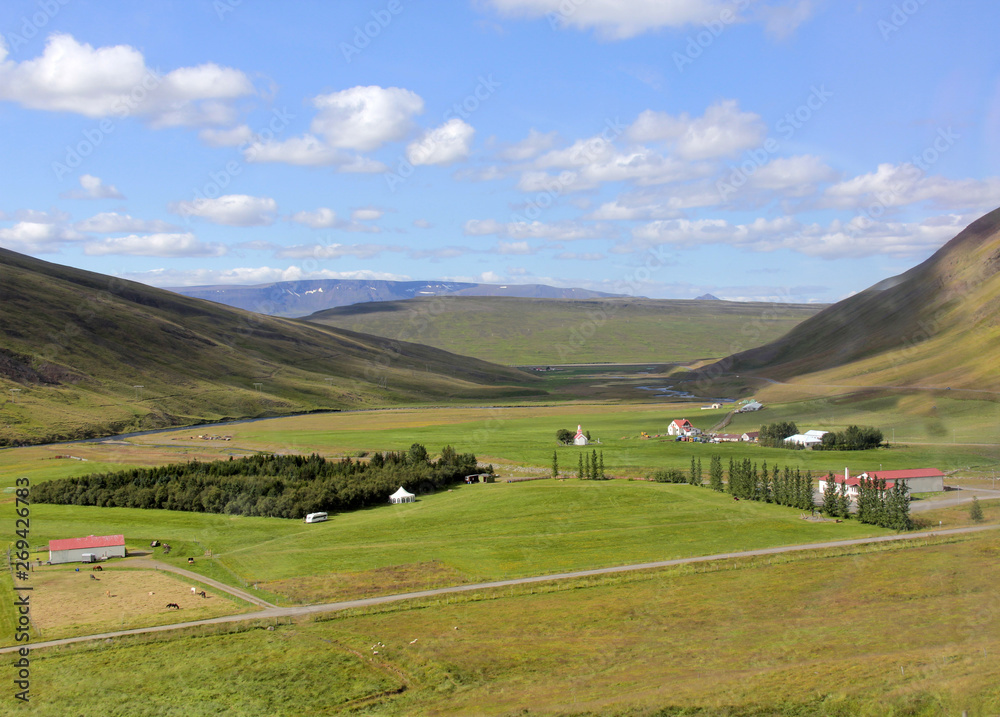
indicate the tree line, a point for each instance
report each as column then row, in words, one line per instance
column 876, row 504
column 264, row 485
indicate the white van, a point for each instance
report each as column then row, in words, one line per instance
column 317, row 517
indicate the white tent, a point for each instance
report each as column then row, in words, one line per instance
column 401, row 496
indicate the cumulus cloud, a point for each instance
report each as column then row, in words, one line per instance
column 115, row 81
column 444, row 145
column 114, row 223
column 897, row 185
column 37, row 237
column 235, row 210
column 322, row 218
column 92, row 187
column 162, row 245
column 723, row 131
column 365, row 118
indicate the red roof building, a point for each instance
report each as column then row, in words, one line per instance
column 73, row 550
column 918, row 480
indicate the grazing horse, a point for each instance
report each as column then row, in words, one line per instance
column 173, row 606
column 202, row 593
column 94, row 577
column 98, row 568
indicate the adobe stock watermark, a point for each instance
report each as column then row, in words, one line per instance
column 33, row 24
column 93, row 137
column 406, row 165
column 555, row 187
column 787, row 126
column 901, row 14
column 365, row 34
column 224, row 7
column 705, row 38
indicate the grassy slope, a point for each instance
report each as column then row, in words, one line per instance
column 872, row 632
column 935, row 325
column 550, row 331
column 76, row 343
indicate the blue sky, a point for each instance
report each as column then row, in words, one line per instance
column 783, row 150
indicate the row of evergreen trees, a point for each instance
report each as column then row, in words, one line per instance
column 876, row 504
column 264, row 485
column 782, row 486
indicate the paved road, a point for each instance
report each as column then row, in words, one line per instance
column 965, row 496
column 279, row 612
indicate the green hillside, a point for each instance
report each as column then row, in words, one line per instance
column 554, row 331
column 82, row 354
column 936, row 325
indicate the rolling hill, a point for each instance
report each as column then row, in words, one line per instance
column 525, row 331
column 82, row 354
column 936, row 325
column 299, row 298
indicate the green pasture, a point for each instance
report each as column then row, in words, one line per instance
column 525, row 436
column 780, row 635
column 474, row 533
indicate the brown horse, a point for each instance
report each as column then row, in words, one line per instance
column 98, row 568
column 173, row 606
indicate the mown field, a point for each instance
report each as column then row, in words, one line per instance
column 783, row 635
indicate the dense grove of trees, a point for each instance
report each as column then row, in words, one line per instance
column 773, row 435
column 264, row 485
column 591, row 468
column 884, row 507
column 876, row 504
column 852, row 439
column 782, row 486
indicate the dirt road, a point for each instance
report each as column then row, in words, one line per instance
column 280, row 612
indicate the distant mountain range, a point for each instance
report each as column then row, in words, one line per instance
column 301, row 298
column 936, row 325
column 82, row 354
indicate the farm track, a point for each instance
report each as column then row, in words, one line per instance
column 235, row 592
column 278, row 612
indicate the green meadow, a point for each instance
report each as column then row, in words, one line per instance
column 868, row 631
column 469, row 534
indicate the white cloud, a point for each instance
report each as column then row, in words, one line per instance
column 782, row 21
column 306, row 151
column 93, row 188
column 114, row 81
column 531, row 146
column 114, row 223
column 235, row 210
column 365, row 118
column 793, row 176
column 859, row 237
column 896, row 185
column 322, row 218
column 723, row 131
column 422, row 223
column 366, row 214
column 43, row 237
column 444, row 145
column 162, row 245
column 250, row 276
column 617, row 19
column 561, row 231
column 515, row 247
column 335, row 251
